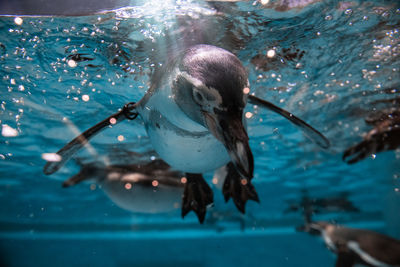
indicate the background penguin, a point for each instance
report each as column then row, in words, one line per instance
column 193, row 114
column 309, row 206
column 146, row 187
column 357, row 246
column 384, row 136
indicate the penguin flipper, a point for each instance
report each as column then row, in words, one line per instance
column 239, row 189
column 87, row 172
column 197, row 196
column 127, row 112
column 313, row 134
column 345, row 260
column 76, row 179
column 358, row 152
column 387, row 138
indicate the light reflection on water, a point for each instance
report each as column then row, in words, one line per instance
column 331, row 63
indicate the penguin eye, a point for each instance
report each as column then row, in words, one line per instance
column 198, row 97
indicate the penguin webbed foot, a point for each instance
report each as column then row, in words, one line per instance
column 238, row 188
column 197, row 196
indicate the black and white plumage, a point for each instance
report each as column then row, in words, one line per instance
column 193, row 114
column 357, row 246
column 196, row 97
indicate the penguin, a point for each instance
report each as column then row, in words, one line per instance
column 145, row 187
column 357, row 246
column 310, row 206
column 193, row 115
column 383, row 137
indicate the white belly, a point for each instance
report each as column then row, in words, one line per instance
column 182, row 143
column 143, row 199
column 193, row 152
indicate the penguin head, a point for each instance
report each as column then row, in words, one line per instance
column 211, row 88
column 315, row 228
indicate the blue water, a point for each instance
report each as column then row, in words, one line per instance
column 332, row 62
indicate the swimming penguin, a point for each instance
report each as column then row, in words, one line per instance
column 312, row 205
column 193, row 114
column 384, row 136
column 145, row 187
column 357, row 246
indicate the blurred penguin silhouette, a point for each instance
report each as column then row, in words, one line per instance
column 146, row 187
column 384, row 136
column 309, row 206
column 357, row 246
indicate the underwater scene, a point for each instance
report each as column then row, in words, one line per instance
column 200, row 133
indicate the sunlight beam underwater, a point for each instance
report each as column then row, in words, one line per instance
column 193, row 114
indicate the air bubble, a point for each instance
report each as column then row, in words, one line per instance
column 348, row 11
column 18, row 20
column 8, row 131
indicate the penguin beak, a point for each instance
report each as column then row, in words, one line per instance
column 230, row 131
